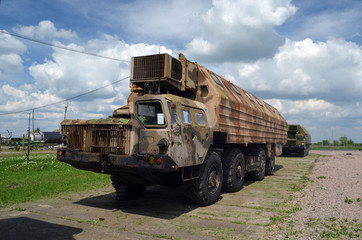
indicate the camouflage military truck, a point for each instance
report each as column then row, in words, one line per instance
column 299, row 141
column 183, row 124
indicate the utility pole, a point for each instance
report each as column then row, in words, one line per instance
column 28, row 153
column 23, row 142
column 65, row 112
column 33, row 120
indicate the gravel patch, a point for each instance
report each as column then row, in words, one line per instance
column 330, row 206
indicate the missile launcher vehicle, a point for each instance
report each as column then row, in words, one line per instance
column 183, row 124
column 299, row 141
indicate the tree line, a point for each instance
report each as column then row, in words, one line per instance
column 343, row 141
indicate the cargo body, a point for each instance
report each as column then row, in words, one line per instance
column 182, row 124
column 299, row 141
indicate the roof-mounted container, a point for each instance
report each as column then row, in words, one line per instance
column 162, row 71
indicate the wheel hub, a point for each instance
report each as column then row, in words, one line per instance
column 214, row 181
column 238, row 171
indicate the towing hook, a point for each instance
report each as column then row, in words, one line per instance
column 105, row 165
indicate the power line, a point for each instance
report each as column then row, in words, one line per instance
column 61, row 47
column 68, row 99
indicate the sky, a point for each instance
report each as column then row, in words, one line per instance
column 304, row 57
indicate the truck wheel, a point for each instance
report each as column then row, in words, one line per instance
column 206, row 189
column 259, row 174
column 270, row 163
column 303, row 152
column 234, row 170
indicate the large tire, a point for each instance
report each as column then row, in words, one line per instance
column 206, row 189
column 303, row 152
column 234, row 170
column 260, row 173
column 126, row 191
column 270, row 163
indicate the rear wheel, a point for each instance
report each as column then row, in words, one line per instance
column 234, row 170
column 206, row 189
column 260, row 173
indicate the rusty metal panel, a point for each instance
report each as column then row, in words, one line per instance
column 96, row 138
column 245, row 118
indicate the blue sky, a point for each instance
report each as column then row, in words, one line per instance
column 304, row 57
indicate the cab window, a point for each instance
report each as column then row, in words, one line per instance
column 200, row 119
column 151, row 113
column 186, row 116
column 174, row 115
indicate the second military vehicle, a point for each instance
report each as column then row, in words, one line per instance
column 299, row 141
column 183, row 124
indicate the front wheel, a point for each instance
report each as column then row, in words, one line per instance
column 206, row 189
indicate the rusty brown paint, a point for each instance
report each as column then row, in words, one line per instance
column 245, row 120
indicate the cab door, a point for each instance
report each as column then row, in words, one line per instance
column 190, row 135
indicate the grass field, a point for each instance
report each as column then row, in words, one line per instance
column 41, row 177
column 351, row 148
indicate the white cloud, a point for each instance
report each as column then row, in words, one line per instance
column 254, row 14
column 11, row 45
column 329, row 70
column 10, row 51
column 11, row 63
column 240, row 30
column 313, row 106
column 70, row 74
column 45, row 29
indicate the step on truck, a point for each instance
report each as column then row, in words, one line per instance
column 183, row 125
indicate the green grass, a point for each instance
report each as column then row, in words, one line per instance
column 41, row 177
column 319, row 147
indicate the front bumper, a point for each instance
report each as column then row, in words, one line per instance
column 115, row 164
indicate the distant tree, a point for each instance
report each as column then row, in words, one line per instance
column 335, row 143
column 343, row 140
column 326, row 142
column 350, row 142
column 37, row 130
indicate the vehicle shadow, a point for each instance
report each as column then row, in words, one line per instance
column 27, row 228
column 249, row 180
column 157, row 201
column 277, row 167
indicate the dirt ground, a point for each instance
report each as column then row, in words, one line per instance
column 163, row 213
column 330, row 206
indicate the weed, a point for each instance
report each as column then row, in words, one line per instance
column 347, row 200
column 20, row 209
column 321, row 177
column 358, row 199
column 276, row 219
column 328, row 234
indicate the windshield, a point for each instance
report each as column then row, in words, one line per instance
column 151, row 113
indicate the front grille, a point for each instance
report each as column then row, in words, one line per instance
column 102, row 138
column 149, row 66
